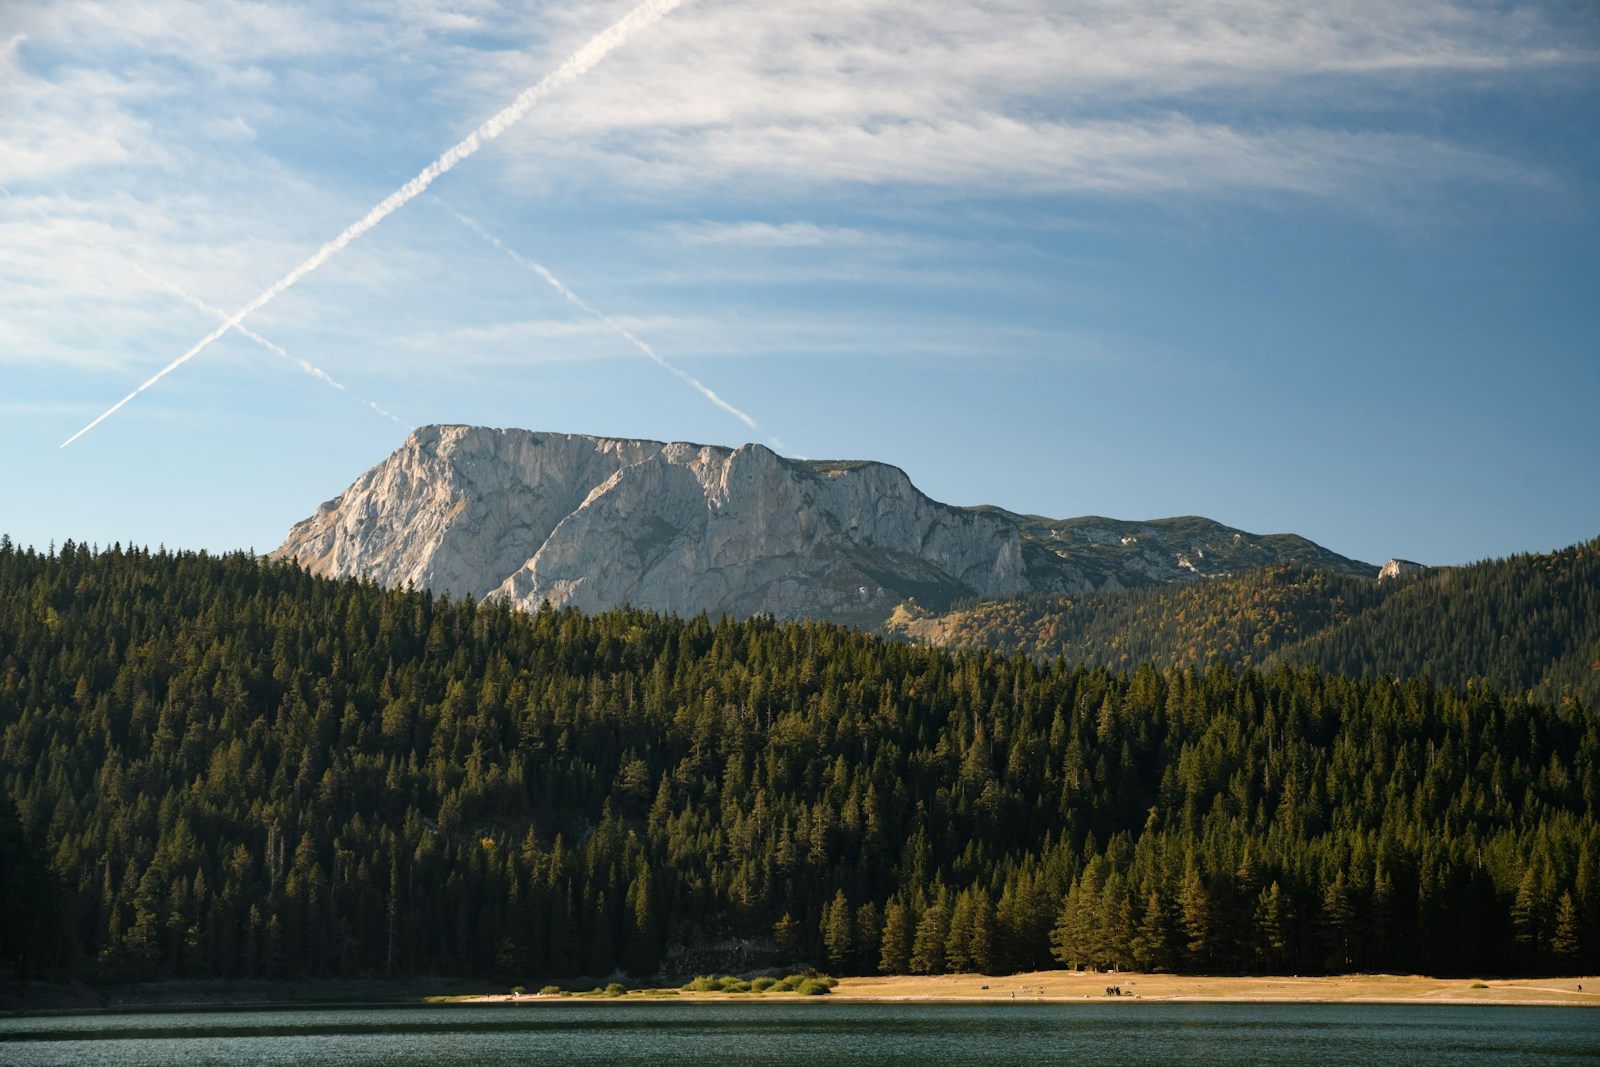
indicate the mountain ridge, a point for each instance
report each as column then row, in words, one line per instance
column 1527, row 623
column 597, row 522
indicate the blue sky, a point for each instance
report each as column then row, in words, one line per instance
column 1329, row 269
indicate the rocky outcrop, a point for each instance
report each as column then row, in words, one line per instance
column 598, row 522
column 1397, row 568
column 456, row 508
column 595, row 522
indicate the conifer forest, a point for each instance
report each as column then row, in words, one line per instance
column 219, row 766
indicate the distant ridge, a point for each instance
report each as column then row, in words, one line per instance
column 1528, row 623
column 683, row 528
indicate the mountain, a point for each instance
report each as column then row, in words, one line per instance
column 682, row 528
column 1528, row 623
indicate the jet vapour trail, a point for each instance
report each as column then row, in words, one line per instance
column 305, row 365
column 576, row 65
column 195, row 302
column 615, row 327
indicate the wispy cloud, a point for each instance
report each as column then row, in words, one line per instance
column 1003, row 154
column 1137, row 98
column 773, row 235
column 574, row 67
column 205, row 35
column 221, row 139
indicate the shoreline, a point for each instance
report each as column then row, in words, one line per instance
column 1076, row 987
column 1068, row 987
column 1038, row 987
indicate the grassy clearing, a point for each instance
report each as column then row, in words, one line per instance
column 1077, row 986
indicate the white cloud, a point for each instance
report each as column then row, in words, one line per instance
column 1002, row 155
column 772, row 234
column 50, row 129
column 202, row 34
column 578, row 338
column 215, row 142
column 1105, row 96
column 229, row 129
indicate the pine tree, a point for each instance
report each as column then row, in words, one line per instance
column 958, row 938
column 933, row 930
column 786, row 937
column 894, row 956
column 868, row 936
column 1566, row 945
column 1338, row 923
column 1197, row 923
column 1116, row 923
column 838, row 932
column 1066, row 939
column 982, row 949
column 1527, row 917
column 1151, row 942
column 1273, row 921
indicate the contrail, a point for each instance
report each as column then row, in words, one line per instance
column 576, row 65
column 195, row 302
column 305, row 365
column 615, row 326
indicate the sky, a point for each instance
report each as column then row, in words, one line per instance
column 1330, row 269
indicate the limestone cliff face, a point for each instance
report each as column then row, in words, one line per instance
column 456, row 508
column 1399, row 568
column 595, row 523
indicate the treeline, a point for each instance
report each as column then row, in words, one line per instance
column 220, row 766
column 1528, row 624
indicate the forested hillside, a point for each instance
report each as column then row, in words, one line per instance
column 1528, row 624
column 1235, row 621
column 223, row 767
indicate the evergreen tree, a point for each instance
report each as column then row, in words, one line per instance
column 868, row 938
column 894, row 955
column 1338, row 923
column 1197, row 921
column 1273, row 921
column 786, row 937
column 838, row 932
column 1151, row 945
column 1566, row 939
column 1527, row 917
column 933, row 931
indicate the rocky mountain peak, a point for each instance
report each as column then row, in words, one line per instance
column 679, row 527
column 597, row 522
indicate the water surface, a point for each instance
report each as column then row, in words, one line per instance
column 814, row 1032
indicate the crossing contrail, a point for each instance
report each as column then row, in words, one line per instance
column 615, row 326
column 304, row 364
column 576, row 65
column 210, row 309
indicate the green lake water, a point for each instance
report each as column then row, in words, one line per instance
column 868, row 1035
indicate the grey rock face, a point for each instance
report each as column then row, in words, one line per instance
column 1398, row 567
column 455, row 508
column 596, row 522
column 680, row 528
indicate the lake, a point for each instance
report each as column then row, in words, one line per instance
column 814, row 1032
